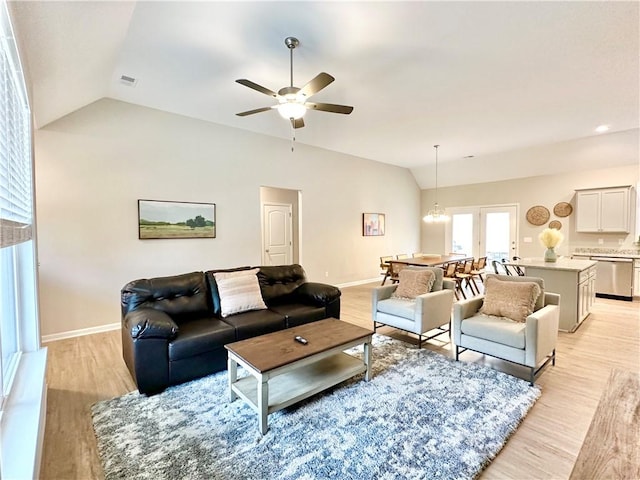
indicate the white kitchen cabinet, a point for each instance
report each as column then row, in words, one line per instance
column 603, row 209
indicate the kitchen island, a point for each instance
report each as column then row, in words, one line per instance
column 573, row 279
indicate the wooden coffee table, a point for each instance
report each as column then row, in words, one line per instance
column 283, row 371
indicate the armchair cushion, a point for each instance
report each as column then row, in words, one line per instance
column 495, row 329
column 513, row 300
column 414, row 282
column 239, row 292
column 398, row 307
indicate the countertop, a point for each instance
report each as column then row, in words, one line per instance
column 607, row 252
column 563, row 263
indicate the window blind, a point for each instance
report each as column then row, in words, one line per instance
column 16, row 204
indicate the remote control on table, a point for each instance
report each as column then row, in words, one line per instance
column 301, row 340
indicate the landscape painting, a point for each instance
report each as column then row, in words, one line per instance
column 161, row 219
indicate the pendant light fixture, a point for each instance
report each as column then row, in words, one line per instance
column 436, row 214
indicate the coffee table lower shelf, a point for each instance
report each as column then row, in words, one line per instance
column 295, row 384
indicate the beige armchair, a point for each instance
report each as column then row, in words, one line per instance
column 531, row 343
column 427, row 312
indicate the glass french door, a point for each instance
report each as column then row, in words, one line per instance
column 480, row 231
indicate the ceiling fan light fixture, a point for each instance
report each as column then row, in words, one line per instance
column 293, row 100
column 290, row 110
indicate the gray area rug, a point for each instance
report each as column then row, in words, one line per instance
column 422, row 416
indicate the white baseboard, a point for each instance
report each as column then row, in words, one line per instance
column 359, row 282
column 79, row 333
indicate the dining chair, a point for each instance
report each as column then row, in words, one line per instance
column 394, row 271
column 466, row 277
column 500, row 268
column 384, row 267
column 518, row 268
column 401, row 256
column 450, row 273
column 418, row 255
column 513, row 270
column 478, row 268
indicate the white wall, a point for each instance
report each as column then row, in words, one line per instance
column 545, row 190
column 93, row 165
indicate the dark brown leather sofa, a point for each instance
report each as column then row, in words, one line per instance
column 173, row 332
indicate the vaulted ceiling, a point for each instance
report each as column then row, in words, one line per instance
column 481, row 79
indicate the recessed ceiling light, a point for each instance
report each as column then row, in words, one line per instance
column 602, row 128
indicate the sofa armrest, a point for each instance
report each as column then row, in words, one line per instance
column 433, row 309
column 448, row 284
column 461, row 310
column 319, row 294
column 551, row 298
column 150, row 323
column 378, row 294
column 541, row 334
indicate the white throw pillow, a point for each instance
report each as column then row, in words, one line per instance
column 239, row 291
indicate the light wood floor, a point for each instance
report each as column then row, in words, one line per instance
column 84, row 370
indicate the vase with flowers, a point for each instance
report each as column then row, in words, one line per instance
column 550, row 238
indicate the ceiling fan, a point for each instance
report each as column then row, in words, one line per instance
column 292, row 101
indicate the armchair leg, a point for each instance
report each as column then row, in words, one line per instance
column 419, row 341
column 457, row 352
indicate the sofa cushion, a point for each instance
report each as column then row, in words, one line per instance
column 414, row 282
column 180, row 296
column 239, row 292
column 495, row 329
column 514, row 300
column 200, row 336
column 277, row 282
column 254, row 323
column 299, row 314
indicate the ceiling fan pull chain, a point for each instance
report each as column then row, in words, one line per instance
column 293, row 135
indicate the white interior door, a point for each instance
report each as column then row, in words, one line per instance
column 276, row 233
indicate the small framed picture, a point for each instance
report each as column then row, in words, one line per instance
column 161, row 219
column 372, row 224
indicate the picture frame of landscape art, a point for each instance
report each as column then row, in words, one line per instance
column 159, row 219
column 373, row 224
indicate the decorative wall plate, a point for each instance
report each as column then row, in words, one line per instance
column 538, row 215
column 555, row 224
column 562, row 209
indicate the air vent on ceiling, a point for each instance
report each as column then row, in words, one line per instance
column 130, row 81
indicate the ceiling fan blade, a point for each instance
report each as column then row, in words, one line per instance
column 255, row 86
column 251, row 112
column 318, row 83
column 329, row 107
column 297, row 122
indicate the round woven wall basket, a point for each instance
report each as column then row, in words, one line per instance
column 562, row 209
column 538, row 215
column 555, row 224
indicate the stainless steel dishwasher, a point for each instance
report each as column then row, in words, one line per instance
column 614, row 277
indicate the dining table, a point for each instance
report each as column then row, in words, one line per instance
column 426, row 261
